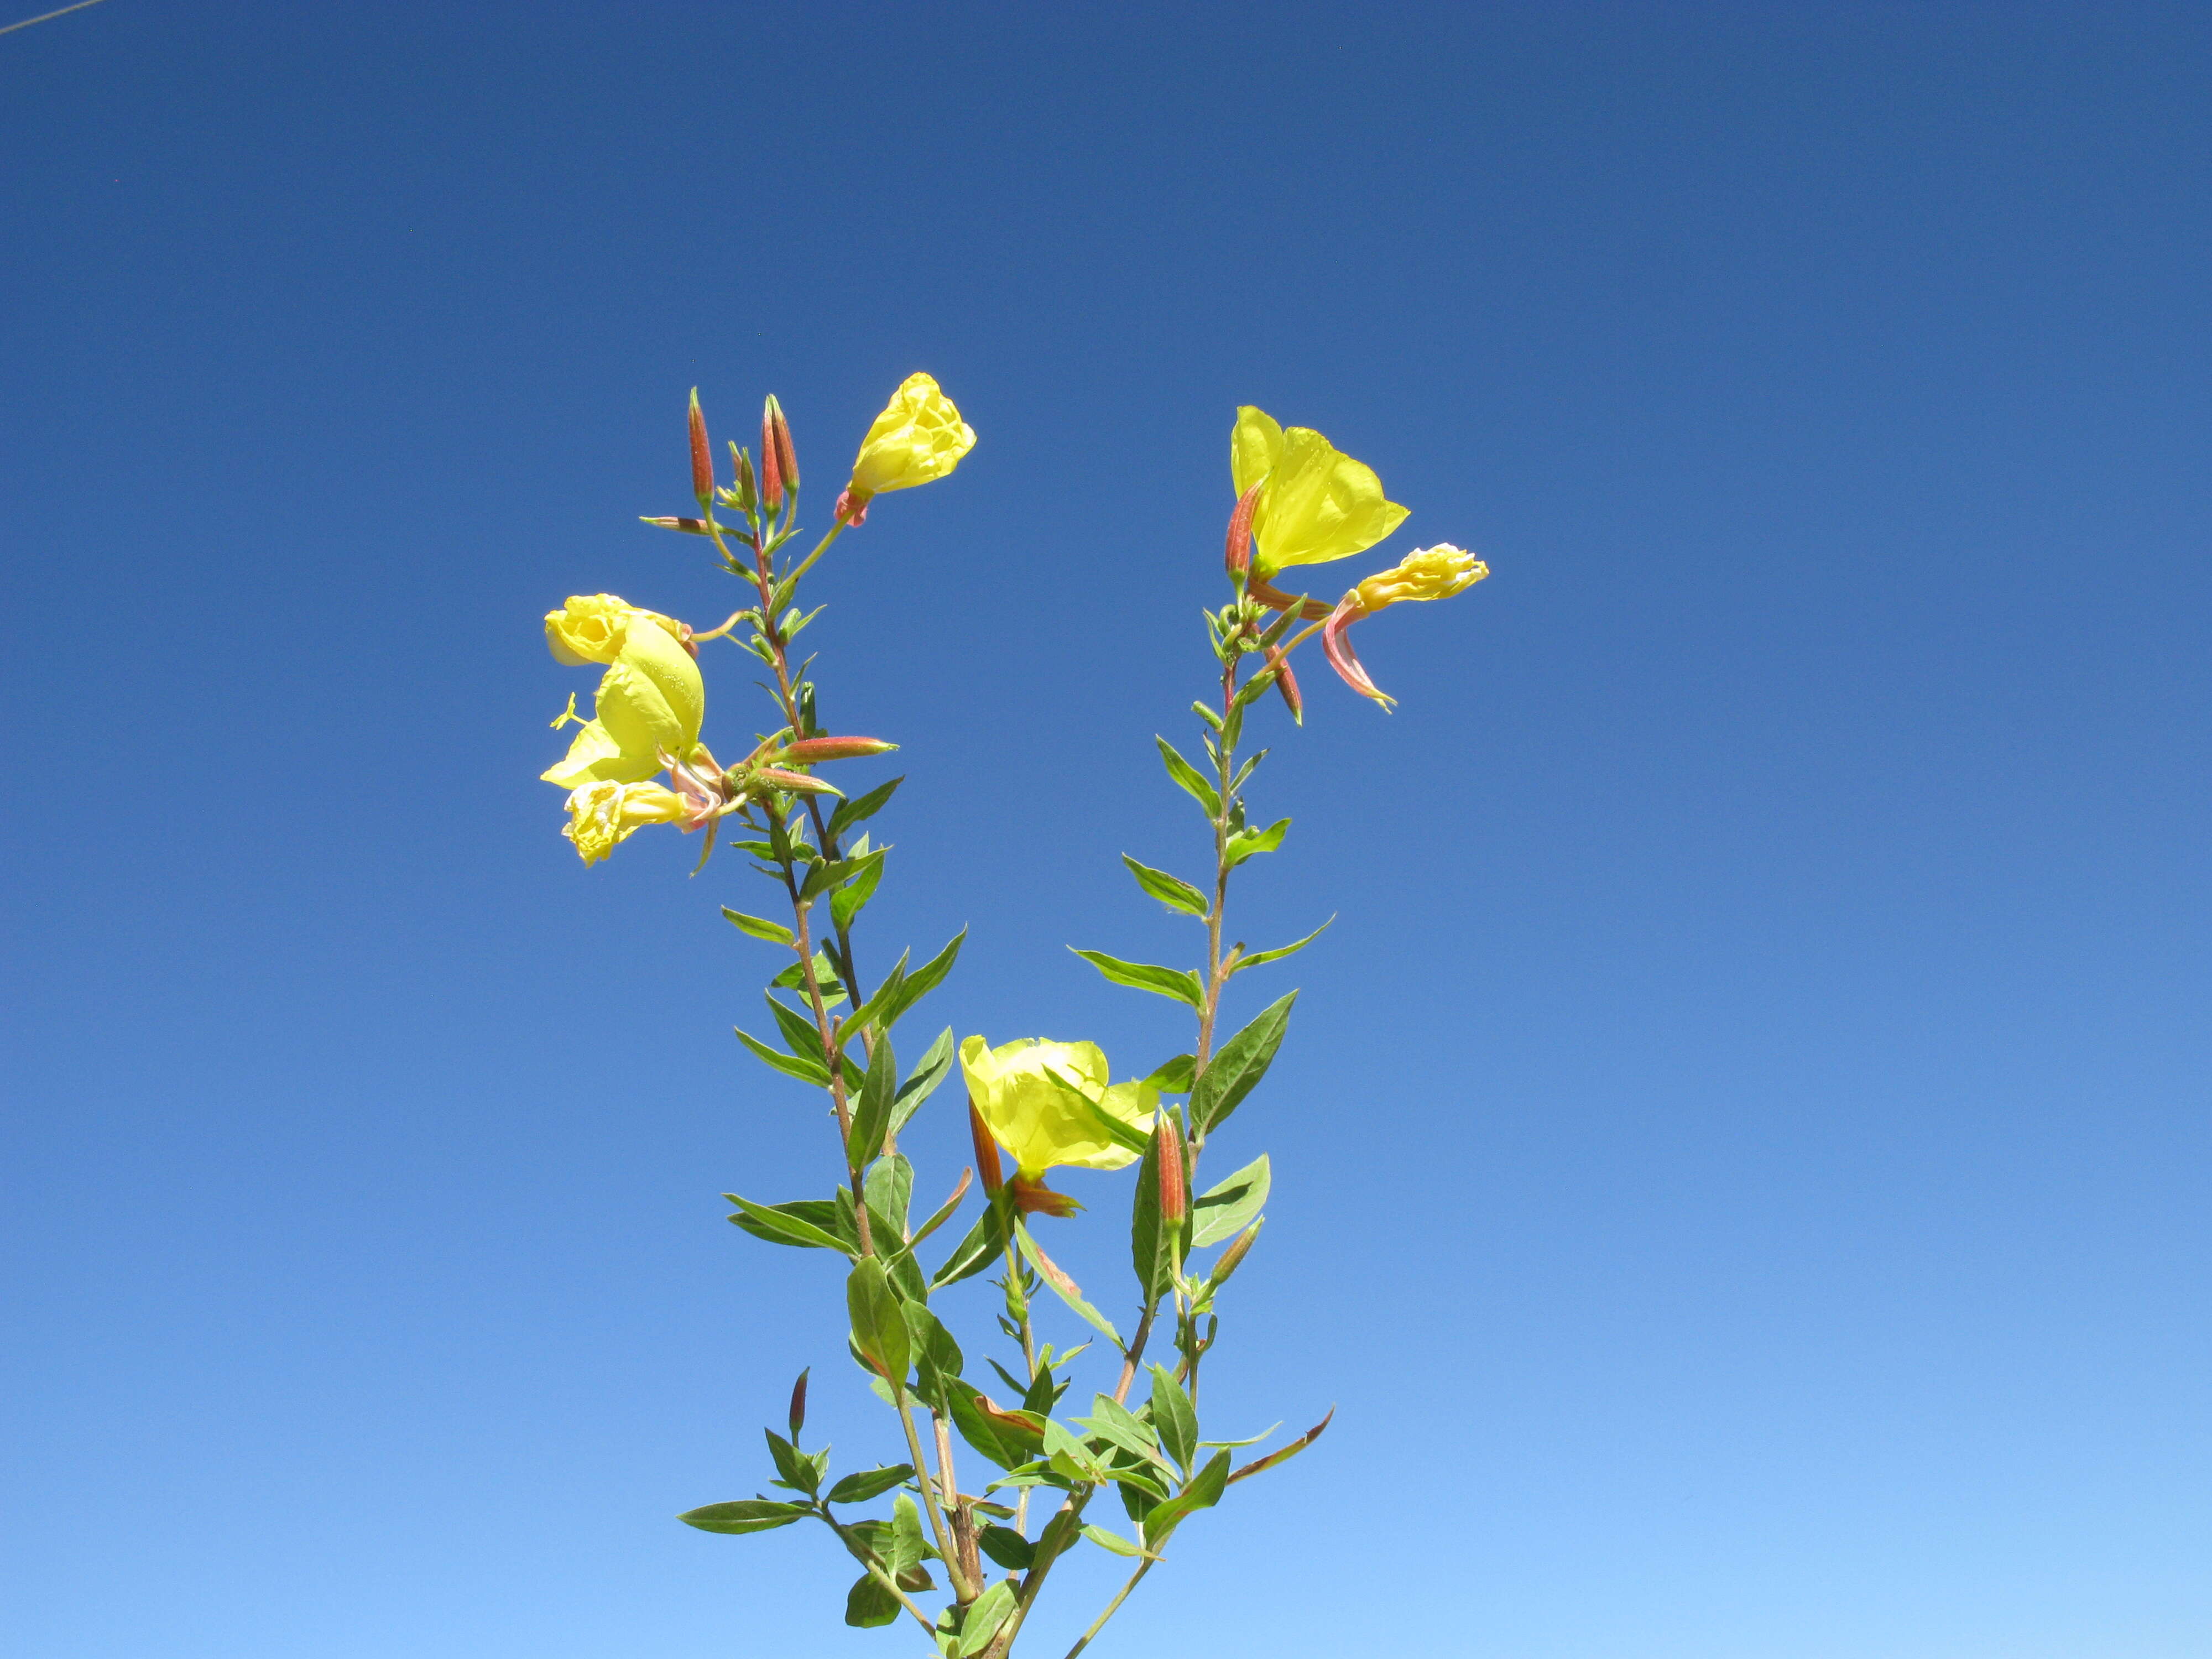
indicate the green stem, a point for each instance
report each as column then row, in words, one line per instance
column 875, row 1569
column 962, row 1589
column 1112, row 1607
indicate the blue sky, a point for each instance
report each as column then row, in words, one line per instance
column 1741, row 1154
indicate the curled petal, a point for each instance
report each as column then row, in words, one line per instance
column 1342, row 658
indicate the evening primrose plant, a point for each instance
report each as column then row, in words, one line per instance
column 1000, row 1469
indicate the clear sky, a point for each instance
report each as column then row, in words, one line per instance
column 1741, row 1154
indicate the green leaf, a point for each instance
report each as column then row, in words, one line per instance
column 1203, row 1492
column 813, row 1072
column 1187, row 775
column 1064, row 1287
column 862, row 807
column 780, row 1226
column 1008, row 1439
column 1113, row 1541
column 906, row 1545
column 1223, row 1211
column 774, row 932
column 1259, row 958
column 921, row 982
column 889, row 1188
column 802, row 1471
column 836, row 872
column 746, row 1515
column 985, row 1242
column 872, row 1113
column 878, row 1323
column 793, row 978
column 870, row 1012
column 985, row 1614
column 935, row 1065
column 1103, row 1123
column 800, row 1034
column 1238, row 1066
column 1245, row 842
column 870, row 1604
column 1174, row 1076
column 870, row 1483
column 1174, row 1419
column 1273, row 1459
column 1118, row 1426
column 1177, row 982
column 1171, row 890
column 937, row 1358
column 847, row 902
column 1007, row 1547
column 1152, row 1248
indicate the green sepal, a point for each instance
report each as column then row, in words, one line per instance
column 1177, row 982
column 1238, row 1065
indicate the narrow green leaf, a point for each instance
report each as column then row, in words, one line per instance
column 1203, row 1492
column 1273, row 1459
column 1007, row 1547
column 848, row 901
column 935, row 1065
column 746, row 1515
column 1260, row 958
column 944, row 1211
column 869, row 1605
column 889, row 1185
column 1103, row 1123
column 879, row 1323
column 812, row 1072
column 1225, row 1210
column 1118, row 1426
column 862, row 807
column 923, row 980
column 1239, row 1065
column 1188, row 777
column 937, row 1358
column 800, row 1034
column 870, row 1011
column 778, row 1226
column 1064, row 1287
column 1174, row 1076
column 870, row 1483
column 872, row 1113
column 1171, row 890
column 1174, row 1419
column 760, row 928
column 1177, row 982
column 985, row 1243
column 793, row 978
column 1245, row 842
column 1114, row 1541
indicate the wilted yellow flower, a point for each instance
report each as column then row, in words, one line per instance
column 591, row 627
column 1427, row 573
column 1029, row 1114
column 651, row 701
column 919, row 437
column 1315, row 504
column 601, row 816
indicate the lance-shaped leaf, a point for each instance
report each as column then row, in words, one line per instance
column 1114, row 1542
column 1260, row 958
column 985, row 1243
column 1203, row 1492
column 879, row 1323
column 937, row 1358
column 935, row 1065
column 870, row 1483
column 1008, row 1438
column 1223, row 1211
column 1177, row 982
column 801, row 1471
column 1064, row 1287
column 1118, row 1426
column 1240, row 1064
column 849, row 901
column 861, row 808
column 1174, row 1419
column 806, row 1223
column 806, row 1071
column 1260, row 1466
column 921, row 982
column 1188, row 776
column 759, row 926
column 1245, row 842
column 793, row 978
column 1174, row 1077
column 1101, row 1121
column 1171, row 890
column 870, row 1011
column 943, row 1211
column 889, row 1185
column 871, row 1114
column 746, row 1515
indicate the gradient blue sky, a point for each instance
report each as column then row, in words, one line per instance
column 1742, row 1151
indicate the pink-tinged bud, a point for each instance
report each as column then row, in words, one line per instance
column 703, row 458
column 1342, row 658
column 987, row 1153
column 1237, row 556
column 771, row 463
column 1308, row 610
column 799, row 1405
column 775, row 432
column 808, row 751
column 688, row 527
column 1034, row 1198
column 741, row 468
column 798, row 783
column 1233, row 1257
column 1174, row 1193
column 1286, row 682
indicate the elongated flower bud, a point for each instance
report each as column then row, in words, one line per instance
column 1233, row 1257
column 742, row 469
column 1237, row 555
column 987, row 1153
column 1174, row 1192
column 771, row 463
column 1287, row 683
column 798, row 783
column 703, row 457
column 777, row 429
column 690, row 526
column 807, row 751
column 799, row 1405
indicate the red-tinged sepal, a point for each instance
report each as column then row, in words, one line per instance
column 1236, row 556
column 1034, row 1198
column 1275, row 599
column 771, row 461
column 987, row 1153
column 776, row 433
column 1342, row 658
column 1286, row 682
column 853, row 509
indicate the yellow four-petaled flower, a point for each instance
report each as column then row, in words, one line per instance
column 1022, row 1090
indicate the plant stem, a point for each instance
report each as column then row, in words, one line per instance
column 1112, row 1607
column 875, row 1567
column 954, row 1568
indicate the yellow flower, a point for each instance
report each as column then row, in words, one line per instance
column 919, row 437
column 651, row 701
column 1315, row 504
column 602, row 815
column 591, row 627
column 1427, row 573
column 1013, row 1088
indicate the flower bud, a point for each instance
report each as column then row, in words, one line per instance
column 798, row 783
column 799, row 1405
column 777, row 430
column 987, row 1153
column 1237, row 556
column 1174, row 1192
column 808, row 751
column 703, row 458
column 771, row 465
column 1286, row 682
column 688, row 527
column 742, row 469
column 1233, row 1257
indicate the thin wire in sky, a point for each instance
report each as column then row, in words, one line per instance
column 46, row 16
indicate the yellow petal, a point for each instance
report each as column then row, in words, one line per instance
column 595, row 755
column 1028, row 1112
column 603, row 816
column 1254, row 443
column 673, row 672
column 919, row 437
column 1319, row 505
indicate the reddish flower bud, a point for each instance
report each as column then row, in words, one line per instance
column 987, row 1153
column 775, row 432
column 690, row 526
column 799, row 1405
column 1174, row 1192
column 1034, row 1198
column 807, row 751
column 771, row 463
column 703, row 458
column 798, row 783
column 1286, row 682
column 1234, row 1255
column 1237, row 556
